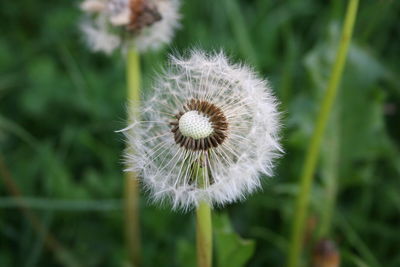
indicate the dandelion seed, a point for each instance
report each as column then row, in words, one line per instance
column 205, row 112
column 112, row 24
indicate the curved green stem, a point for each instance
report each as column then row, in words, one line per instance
column 131, row 205
column 329, row 175
column 313, row 150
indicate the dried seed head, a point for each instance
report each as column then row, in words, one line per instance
column 143, row 13
column 204, row 112
column 147, row 24
column 93, row 6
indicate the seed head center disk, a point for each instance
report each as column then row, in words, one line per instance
column 195, row 125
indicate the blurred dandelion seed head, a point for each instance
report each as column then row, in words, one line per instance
column 146, row 24
column 207, row 112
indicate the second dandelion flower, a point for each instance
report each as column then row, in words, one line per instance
column 145, row 24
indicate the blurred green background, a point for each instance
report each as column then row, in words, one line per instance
column 60, row 105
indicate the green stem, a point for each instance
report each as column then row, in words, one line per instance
column 131, row 205
column 204, row 235
column 330, row 176
column 133, row 78
column 313, row 150
column 203, row 224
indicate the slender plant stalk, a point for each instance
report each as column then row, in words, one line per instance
column 132, row 226
column 203, row 226
column 51, row 242
column 204, row 235
column 133, row 79
column 313, row 150
column 330, row 175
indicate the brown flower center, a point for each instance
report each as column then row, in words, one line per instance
column 143, row 13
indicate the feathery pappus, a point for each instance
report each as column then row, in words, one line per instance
column 208, row 131
column 112, row 24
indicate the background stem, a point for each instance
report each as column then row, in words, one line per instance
column 330, row 176
column 133, row 79
column 313, row 150
column 52, row 243
column 132, row 225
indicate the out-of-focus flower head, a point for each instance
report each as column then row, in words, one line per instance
column 146, row 24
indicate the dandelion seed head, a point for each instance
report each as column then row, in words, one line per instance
column 98, row 40
column 208, row 132
column 93, row 6
column 145, row 24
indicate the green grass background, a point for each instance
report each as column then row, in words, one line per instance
column 60, row 105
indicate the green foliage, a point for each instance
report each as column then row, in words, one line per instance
column 60, row 105
column 231, row 249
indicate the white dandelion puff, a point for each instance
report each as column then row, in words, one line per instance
column 209, row 113
column 98, row 40
column 146, row 24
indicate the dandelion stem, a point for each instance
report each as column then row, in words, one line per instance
column 133, row 79
column 314, row 147
column 204, row 235
column 203, row 226
column 132, row 226
column 330, row 175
